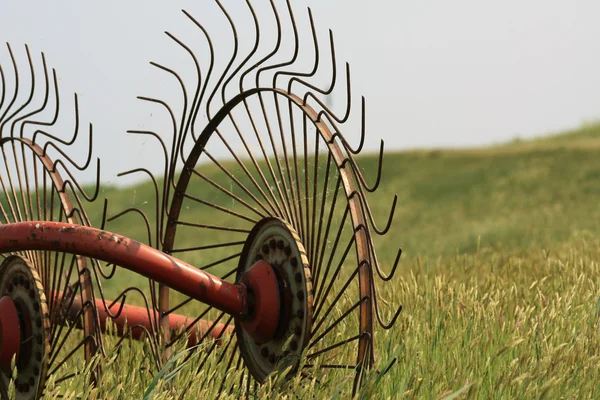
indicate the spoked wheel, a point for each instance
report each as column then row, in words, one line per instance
column 269, row 179
column 46, row 296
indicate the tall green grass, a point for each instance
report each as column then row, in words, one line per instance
column 499, row 280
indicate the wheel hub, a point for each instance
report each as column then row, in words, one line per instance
column 21, row 290
column 275, row 242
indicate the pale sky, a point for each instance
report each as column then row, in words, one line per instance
column 434, row 73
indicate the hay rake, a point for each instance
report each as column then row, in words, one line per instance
column 260, row 240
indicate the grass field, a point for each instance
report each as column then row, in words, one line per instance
column 499, row 280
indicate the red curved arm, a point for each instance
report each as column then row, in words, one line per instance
column 129, row 254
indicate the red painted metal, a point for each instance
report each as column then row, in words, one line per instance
column 127, row 253
column 10, row 332
column 132, row 317
column 262, row 316
column 260, row 279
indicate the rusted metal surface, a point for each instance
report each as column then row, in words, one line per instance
column 10, row 332
column 127, row 253
column 138, row 321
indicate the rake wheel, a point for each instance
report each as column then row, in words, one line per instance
column 40, row 289
column 270, row 155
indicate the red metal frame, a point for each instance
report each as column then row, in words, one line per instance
column 130, row 317
column 234, row 299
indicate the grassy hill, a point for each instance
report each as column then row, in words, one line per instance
column 500, row 278
column 511, row 198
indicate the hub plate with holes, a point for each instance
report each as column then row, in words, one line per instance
column 277, row 243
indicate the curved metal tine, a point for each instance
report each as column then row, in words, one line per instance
column 164, row 199
column 123, row 295
column 14, row 98
column 183, row 126
column 234, row 122
column 295, row 196
column 296, row 77
column 326, row 110
column 155, row 359
column 229, row 64
column 341, row 137
column 369, row 214
column 140, row 213
column 282, row 193
column 396, row 314
column 196, row 108
column 372, row 253
column 56, row 110
column 360, row 176
column 66, row 156
column 3, row 92
column 73, row 182
column 158, row 215
column 171, row 176
column 44, row 103
column 53, row 137
column 26, row 103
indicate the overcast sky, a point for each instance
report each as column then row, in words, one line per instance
column 435, row 73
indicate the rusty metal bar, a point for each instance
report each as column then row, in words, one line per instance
column 127, row 318
column 129, row 254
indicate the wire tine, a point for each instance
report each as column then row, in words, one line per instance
column 14, row 98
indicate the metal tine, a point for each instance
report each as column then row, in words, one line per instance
column 14, row 98
column 164, row 198
column 156, row 356
column 230, row 115
column 238, row 183
column 227, row 192
column 44, row 103
column 359, row 175
column 123, row 295
column 376, row 262
column 191, row 325
column 369, row 214
column 196, row 108
column 3, row 92
column 184, row 125
column 56, row 112
column 139, row 212
column 27, row 102
column 158, row 215
column 69, row 159
column 177, row 135
column 343, row 140
column 284, row 199
column 73, row 182
column 295, row 217
column 296, row 75
column 325, row 109
column 383, row 325
column 55, row 118
column 229, row 64
column 171, row 176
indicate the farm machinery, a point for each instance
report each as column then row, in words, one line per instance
column 258, row 250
